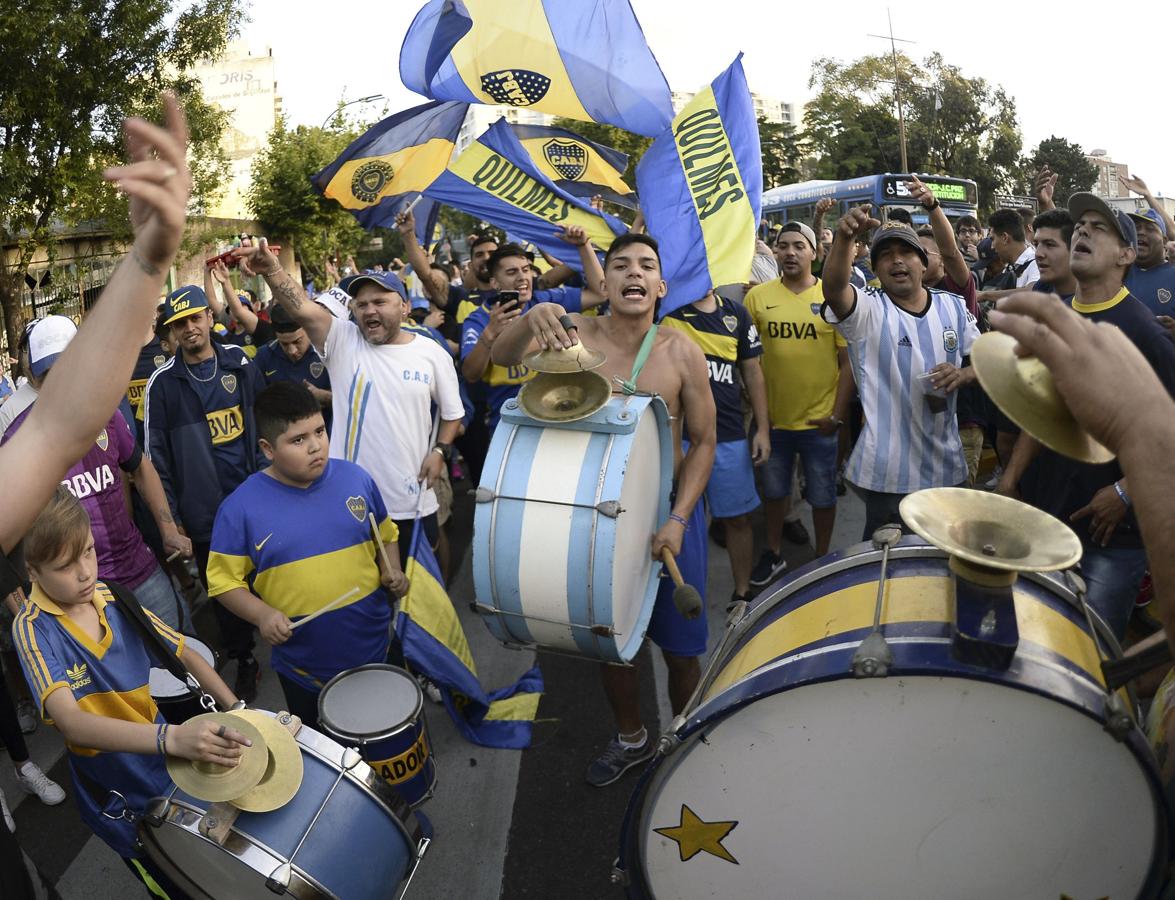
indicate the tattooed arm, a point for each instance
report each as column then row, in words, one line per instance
column 313, row 317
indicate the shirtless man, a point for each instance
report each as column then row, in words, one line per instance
column 676, row 371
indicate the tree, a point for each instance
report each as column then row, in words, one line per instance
column 1074, row 171
column 84, row 65
column 782, row 151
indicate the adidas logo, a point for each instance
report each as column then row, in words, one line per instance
column 77, row 676
column 904, row 342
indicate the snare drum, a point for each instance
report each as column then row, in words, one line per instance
column 344, row 836
column 565, row 513
column 174, row 698
column 790, row 778
column 380, row 710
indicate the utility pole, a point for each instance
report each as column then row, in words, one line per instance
column 893, row 42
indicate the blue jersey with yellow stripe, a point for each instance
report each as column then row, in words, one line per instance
column 109, row 678
column 300, row 548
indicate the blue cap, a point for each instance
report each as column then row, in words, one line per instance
column 985, row 250
column 421, row 303
column 183, row 302
column 1151, row 215
column 385, row 280
column 1085, row 202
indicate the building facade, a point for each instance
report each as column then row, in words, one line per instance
column 1108, row 184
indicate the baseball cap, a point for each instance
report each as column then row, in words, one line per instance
column 421, row 303
column 47, row 338
column 1151, row 215
column 1085, row 202
column 808, row 233
column 386, row 280
column 183, row 302
column 903, row 234
column 985, row 250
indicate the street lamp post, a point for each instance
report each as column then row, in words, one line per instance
column 338, row 109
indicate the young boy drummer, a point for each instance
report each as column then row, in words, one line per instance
column 89, row 669
column 295, row 537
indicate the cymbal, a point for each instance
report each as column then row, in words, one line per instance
column 990, row 530
column 557, row 361
column 1023, row 388
column 565, row 397
column 283, row 770
column 208, row 781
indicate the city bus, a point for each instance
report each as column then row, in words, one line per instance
column 797, row 202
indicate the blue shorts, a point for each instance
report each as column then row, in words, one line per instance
column 669, row 629
column 731, row 490
column 817, row 455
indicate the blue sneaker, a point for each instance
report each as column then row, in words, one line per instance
column 616, row 760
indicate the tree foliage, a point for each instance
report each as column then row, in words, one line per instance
column 1074, row 172
column 74, row 69
column 783, row 151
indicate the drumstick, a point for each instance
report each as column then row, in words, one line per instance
column 175, row 556
column 335, row 602
column 379, row 544
column 685, row 596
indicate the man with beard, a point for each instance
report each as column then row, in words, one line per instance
column 201, row 440
column 390, row 379
column 907, row 346
column 1152, row 279
column 1113, row 558
column 675, row 369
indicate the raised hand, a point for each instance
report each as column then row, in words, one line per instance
column 1134, row 183
column 856, row 221
column 1044, row 187
column 575, row 235
column 921, row 192
column 406, row 223
column 258, row 260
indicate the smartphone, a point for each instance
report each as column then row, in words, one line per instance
column 504, row 297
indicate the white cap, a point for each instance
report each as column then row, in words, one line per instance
column 48, row 338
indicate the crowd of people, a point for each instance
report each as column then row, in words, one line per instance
column 274, row 450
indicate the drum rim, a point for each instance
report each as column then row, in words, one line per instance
column 363, row 737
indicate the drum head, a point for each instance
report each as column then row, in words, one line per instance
column 163, row 684
column 900, row 787
column 368, row 702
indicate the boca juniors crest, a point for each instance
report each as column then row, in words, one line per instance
column 103, row 441
column 316, row 369
column 731, row 323
column 229, row 383
column 517, row 87
column 357, row 506
column 568, row 158
column 370, row 179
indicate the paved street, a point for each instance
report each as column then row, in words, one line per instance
column 509, row 824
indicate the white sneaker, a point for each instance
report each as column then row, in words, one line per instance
column 8, row 820
column 33, row 780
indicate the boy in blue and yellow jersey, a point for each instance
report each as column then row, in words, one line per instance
column 89, row 669
column 295, row 537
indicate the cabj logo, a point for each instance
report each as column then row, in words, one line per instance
column 517, row 87
column 358, row 508
column 229, row 383
column 316, row 369
column 731, row 323
column 103, row 441
column 370, row 179
column 77, row 675
column 568, row 158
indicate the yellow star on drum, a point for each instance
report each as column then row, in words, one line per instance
column 693, row 836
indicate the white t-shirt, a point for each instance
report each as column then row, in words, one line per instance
column 22, row 398
column 906, row 445
column 1031, row 273
column 382, row 398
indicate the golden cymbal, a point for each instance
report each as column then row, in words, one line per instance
column 565, row 397
column 573, row 359
column 1023, row 388
column 283, row 770
column 208, row 781
column 990, row 530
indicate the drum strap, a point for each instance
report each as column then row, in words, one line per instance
column 642, row 356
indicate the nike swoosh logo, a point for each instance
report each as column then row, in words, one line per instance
column 262, row 544
column 776, row 306
column 274, row 372
column 181, row 297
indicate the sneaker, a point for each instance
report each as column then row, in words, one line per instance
column 33, row 780
column 769, row 566
column 795, row 532
column 616, row 760
column 993, row 482
column 430, row 690
column 26, row 714
column 7, row 813
column 248, row 675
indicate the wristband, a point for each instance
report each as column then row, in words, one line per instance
column 679, row 520
column 1122, row 495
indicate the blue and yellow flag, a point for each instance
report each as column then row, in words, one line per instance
column 495, row 180
column 389, row 165
column 583, row 59
column 701, row 183
column 581, row 167
column 435, row 645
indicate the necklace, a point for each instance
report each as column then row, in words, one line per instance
column 215, row 368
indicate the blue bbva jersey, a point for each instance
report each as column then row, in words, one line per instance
column 276, row 366
column 300, row 548
column 108, row 678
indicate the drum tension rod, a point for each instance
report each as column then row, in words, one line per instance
column 483, row 610
column 1119, row 722
column 873, row 657
column 609, row 508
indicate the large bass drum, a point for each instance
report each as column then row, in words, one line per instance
column 790, row 778
column 565, row 513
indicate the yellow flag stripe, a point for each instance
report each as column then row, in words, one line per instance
column 489, row 47
column 488, row 171
column 411, row 169
column 596, row 170
column 720, row 198
column 427, row 604
column 519, row 708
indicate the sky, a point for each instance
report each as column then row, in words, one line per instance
column 1044, row 59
